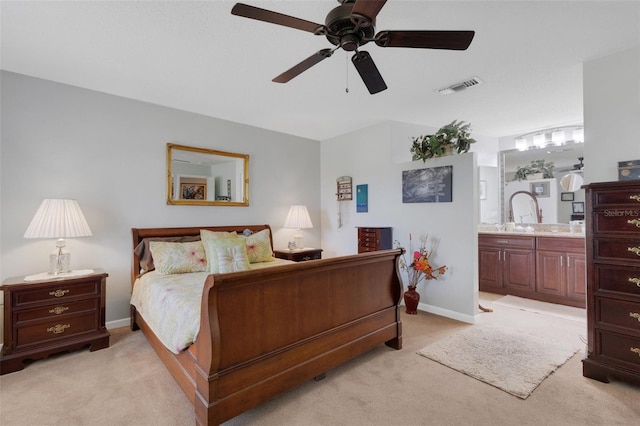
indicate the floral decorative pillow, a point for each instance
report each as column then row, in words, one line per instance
column 227, row 255
column 259, row 247
column 178, row 258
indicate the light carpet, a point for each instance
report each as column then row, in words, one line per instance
column 561, row 311
column 510, row 348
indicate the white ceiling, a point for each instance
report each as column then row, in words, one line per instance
column 197, row 57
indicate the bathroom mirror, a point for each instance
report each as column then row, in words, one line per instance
column 564, row 157
column 206, row 177
column 523, row 208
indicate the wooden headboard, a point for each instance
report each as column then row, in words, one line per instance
column 141, row 233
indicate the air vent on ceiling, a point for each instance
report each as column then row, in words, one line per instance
column 457, row 87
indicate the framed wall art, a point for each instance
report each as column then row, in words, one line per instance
column 539, row 189
column 432, row 185
column 193, row 191
column 566, row 196
column 362, row 198
column 578, row 207
column 483, row 189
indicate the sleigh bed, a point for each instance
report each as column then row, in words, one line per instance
column 264, row 331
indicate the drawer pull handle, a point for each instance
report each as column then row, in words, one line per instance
column 635, row 350
column 635, row 281
column 635, row 197
column 58, row 310
column 58, row 293
column 635, row 222
column 635, row 315
column 503, row 241
column 634, row 250
column 58, row 328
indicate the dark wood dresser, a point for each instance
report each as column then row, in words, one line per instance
column 613, row 281
column 374, row 239
column 52, row 315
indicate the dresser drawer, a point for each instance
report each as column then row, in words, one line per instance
column 59, row 292
column 619, row 349
column 55, row 310
column 56, row 328
column 605, row 249
column 363, row 248
column 514, row 241
column 368, row 233
column 617, row 279
column 616, row 197
column 618, row 313
column 622, row 221
column 561, row 244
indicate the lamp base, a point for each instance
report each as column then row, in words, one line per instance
column 298, row 240
column 59, row 263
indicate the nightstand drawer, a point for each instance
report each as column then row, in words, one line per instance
column 56, row 328
column 54, row 311
column 59, row 292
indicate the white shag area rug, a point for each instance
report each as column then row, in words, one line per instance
column 510, row 348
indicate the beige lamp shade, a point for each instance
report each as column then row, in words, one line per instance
column 56, row 218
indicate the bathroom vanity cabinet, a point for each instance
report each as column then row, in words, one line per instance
column 548, row 268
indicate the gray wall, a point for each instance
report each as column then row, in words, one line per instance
column 611, row 114
column 108, row 152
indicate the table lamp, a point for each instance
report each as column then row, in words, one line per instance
column 298, row 218
column 56, row 218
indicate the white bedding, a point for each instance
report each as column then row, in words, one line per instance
column 170, row 304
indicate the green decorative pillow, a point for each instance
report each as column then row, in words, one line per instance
column 259, row 247
column 226, row 255
column 232, row 255
column 178, row 258
column 212, row 257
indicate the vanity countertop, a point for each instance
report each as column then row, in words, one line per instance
column 562, row 234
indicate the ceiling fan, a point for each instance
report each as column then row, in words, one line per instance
column 350, row 26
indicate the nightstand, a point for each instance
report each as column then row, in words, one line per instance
column 52, row 315
column 299, row 255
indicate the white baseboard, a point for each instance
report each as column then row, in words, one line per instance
column 447, row 313
column 124, row 322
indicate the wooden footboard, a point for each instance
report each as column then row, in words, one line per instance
column 265, row 331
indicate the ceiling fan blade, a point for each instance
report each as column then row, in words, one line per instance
column 368, row 8
column 368, row 72
column 303, row 66
column 451, row 40
column 265, row 15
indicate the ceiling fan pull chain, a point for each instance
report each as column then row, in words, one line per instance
column 346, row 72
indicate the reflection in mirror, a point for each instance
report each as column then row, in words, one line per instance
column 565, row 158
column 206, row 177
column 571, row 182
column 523, row 208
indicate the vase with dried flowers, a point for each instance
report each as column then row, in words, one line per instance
column 418, row 270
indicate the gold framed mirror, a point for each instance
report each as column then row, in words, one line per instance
column 206, row 177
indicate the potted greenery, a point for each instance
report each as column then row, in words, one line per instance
column 537, row 167
column 455, row 136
